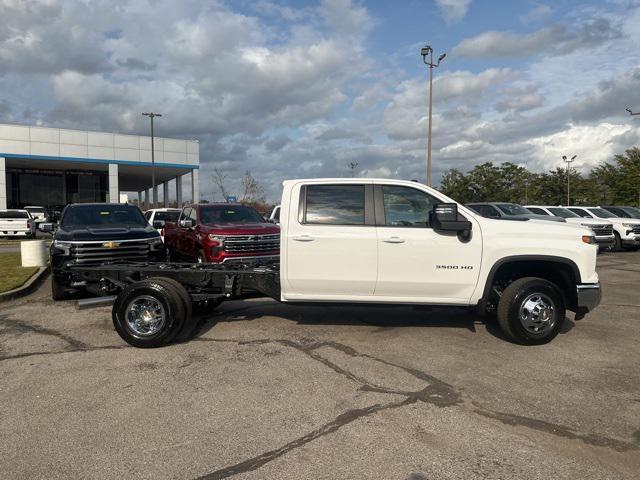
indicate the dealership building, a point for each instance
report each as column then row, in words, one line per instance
column 52, row 167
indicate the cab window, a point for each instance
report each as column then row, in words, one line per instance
column 579, row 211
column 406, row 207
column 335, row 204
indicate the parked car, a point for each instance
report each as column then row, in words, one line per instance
column 274, row 217
column 508, row 211
column 601, row 228
column 221, row 232
column 625, row 230
column 16, row 223
column 623, row 212
column 162, row 215
column 95, row 233
column 39, row 214
column 343, row 244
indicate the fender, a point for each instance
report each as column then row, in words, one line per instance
column 521, row 258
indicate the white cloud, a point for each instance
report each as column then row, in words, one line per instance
column 453, row 10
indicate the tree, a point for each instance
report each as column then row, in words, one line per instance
column 253, row 192
column 219, row 179
column 455, row 184
column 620, row 181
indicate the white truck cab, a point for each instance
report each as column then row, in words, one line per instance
column 625, row 230
column 378, row 242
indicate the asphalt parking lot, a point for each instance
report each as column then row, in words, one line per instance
column 274, row 391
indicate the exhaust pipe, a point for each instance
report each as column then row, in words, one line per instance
column 84, row 303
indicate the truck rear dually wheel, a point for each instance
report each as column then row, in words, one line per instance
column 148, row 314
column 531, row 311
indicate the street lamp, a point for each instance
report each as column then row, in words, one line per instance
column 632, row 113
column 154, row 192
column 568, row 162
column 427, row 51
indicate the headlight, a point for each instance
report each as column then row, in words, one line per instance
column 590, row 239
column 216, row 238
column 61, row 244
column 155, row 243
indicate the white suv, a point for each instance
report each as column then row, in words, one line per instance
column 601, row 228
column 162, row 215
column 625, row 230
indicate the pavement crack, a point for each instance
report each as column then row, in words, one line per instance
column 557, row 430
column 333, row 426
column 59, row 352
column 11, row 325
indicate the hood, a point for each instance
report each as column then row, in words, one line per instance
column 547, row 218
column 242, row 229
column 105, row 233
column 588, row 221
column 621, row 220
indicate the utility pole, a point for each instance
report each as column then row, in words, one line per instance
column 353, row 166
column 427, row 51
column 154, row 191
column 568, row 162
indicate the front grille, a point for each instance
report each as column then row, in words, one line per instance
column 251, row 243
column 599, row 230
column 91, row 253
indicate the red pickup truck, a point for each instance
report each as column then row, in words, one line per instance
column 220, row 232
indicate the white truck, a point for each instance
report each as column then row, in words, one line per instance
column 16, row 223
column 374, row 242
column 625, row 230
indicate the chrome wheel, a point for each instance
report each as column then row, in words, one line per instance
column 537, row 313
column 145, row 316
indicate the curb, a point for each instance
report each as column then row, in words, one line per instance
column 31, row 284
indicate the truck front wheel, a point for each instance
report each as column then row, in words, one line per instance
column 531, row 311
column 58, row 292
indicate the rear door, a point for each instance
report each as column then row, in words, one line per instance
column 415, row 262
column 331, row 242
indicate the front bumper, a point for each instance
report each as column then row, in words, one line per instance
column 588, row 296
column 605, row 240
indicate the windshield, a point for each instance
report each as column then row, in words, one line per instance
column 217, row 214
column 599, row 212
column 167, row 216
column 13, row 214
column 633, row 212
column 103, row 216
column 563, row 212
column 513, row 209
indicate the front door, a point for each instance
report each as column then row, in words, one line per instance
column 331, row 242
column 416, row 262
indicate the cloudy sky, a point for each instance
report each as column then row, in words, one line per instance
column 291, row 89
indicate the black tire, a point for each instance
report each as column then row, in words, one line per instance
column 517, row 318
column 206, row 307
column 58, row 292
column 187, row 304
column 160, row 293
column 617, row 246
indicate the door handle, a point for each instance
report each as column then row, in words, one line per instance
column 394, row 240
column 303, row 238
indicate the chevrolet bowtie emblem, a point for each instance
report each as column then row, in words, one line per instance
column 110, row 244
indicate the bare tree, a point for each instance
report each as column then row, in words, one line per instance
column 252, row 191
column 219, row 179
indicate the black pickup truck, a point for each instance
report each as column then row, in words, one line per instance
column 95, row 234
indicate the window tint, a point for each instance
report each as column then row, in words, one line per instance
column 618, row 211
column 148, row 215
column 220, row 214
column 490, row 211
column 335, row 204
column 513, row 209
column 192, row 214
column 563, row 212
column 599, row 212
column 166, row 216
column 14, row 214
column 581, row 212
column 537, row 211
column 113, row 215
column 406, row 207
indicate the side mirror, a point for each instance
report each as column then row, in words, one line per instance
column 46, row 227
column 158, row 224
column 186, row 223
column 445, row 218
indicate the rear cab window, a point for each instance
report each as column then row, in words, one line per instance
column 333, row 204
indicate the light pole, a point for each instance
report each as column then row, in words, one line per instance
column 568, row 162
column 154, row 192
column 632, row 113
column 427, row 51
